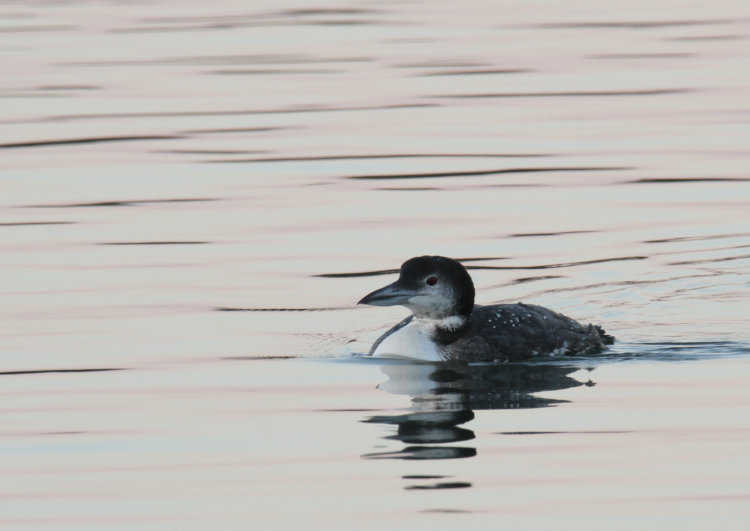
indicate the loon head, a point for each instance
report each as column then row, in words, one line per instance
column 432, row 287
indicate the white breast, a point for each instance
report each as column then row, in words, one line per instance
column 412, row 341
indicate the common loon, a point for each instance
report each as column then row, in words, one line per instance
column 446, row 325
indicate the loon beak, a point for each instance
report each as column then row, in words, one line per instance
column 391, row 295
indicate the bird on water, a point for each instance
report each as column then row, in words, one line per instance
column 446, row 325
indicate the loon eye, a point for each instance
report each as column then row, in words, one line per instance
column 431, row 281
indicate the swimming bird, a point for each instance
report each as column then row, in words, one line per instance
column 446, row 325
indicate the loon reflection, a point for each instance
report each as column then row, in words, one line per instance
column 445, row 396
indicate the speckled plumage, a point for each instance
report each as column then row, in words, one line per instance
column 513, row 332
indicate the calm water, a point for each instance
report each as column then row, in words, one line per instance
column 193, row 197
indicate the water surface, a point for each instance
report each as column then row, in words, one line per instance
column 194, row 197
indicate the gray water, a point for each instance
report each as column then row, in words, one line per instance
column 194, row 196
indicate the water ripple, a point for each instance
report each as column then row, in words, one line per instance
column 476, row 72
column 34, row 223
column 92, row 140
column 544, row 266
column 570, row 94
column 385, row 156
column 698, row 238
column 155, row 243
column 134, row 202
column 641, row 24
column 680, row 180
column 240, row 112
column 539, row 234
column 502, row 171
column 712, row 260
column 324, row 309
column 57, row 371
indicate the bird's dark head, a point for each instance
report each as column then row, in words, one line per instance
column 432, row 287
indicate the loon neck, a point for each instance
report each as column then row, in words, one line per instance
column 447, row 329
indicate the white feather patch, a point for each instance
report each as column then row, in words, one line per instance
column 412, row 341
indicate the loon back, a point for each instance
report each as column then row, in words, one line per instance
column 512, row 332
column 503, row 332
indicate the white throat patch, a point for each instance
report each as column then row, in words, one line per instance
column 414, row 341
column 453, row 322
